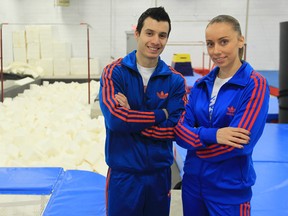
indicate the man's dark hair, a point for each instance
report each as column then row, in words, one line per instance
column 157, row 13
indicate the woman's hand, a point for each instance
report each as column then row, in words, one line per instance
column 236, row 137
column 121, row 98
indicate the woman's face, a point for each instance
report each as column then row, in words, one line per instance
column 223, row 44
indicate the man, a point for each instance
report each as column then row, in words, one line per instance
column 141, row 99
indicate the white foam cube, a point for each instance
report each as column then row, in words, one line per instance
column 19, row 54
column 32, row 34
column 61, row 67
column 45, row 34
column 33, row 62
column 94, row 66
column 46, row 49
column 61, row 50
column 33, row 51
column 18, row 38
column 79, row 66
column 47, row 65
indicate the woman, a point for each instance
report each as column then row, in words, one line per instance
column 224, row 119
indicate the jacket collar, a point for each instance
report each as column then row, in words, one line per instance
column 241, row 77
column 130, row 61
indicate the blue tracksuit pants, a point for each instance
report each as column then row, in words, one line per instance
column 138, row 194
column 195, row 204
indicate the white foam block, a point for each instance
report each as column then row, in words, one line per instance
column 47, row 65
column 61, row 50
column 61, row 67
column 94, row 66
column 19, row 54
column 45, row 34
column 24, row 81
column 32, row 34
column 33, row 51
column 46, row 49
column 79, row 66
column 18, row 38
column 33, row 62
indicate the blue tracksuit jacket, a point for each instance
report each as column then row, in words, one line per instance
column 226, row 173
column 140, row 139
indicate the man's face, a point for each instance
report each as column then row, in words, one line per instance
column 152, row 40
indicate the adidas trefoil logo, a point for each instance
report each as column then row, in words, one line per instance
column 162, row 95
column 231, row 111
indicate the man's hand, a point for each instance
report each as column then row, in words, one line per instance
column 121, row 98
column 236, row 137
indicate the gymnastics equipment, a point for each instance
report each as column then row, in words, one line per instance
column 283, row 74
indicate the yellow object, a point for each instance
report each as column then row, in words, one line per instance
column 64, row 3
column 181, row 62
column 181, row 57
